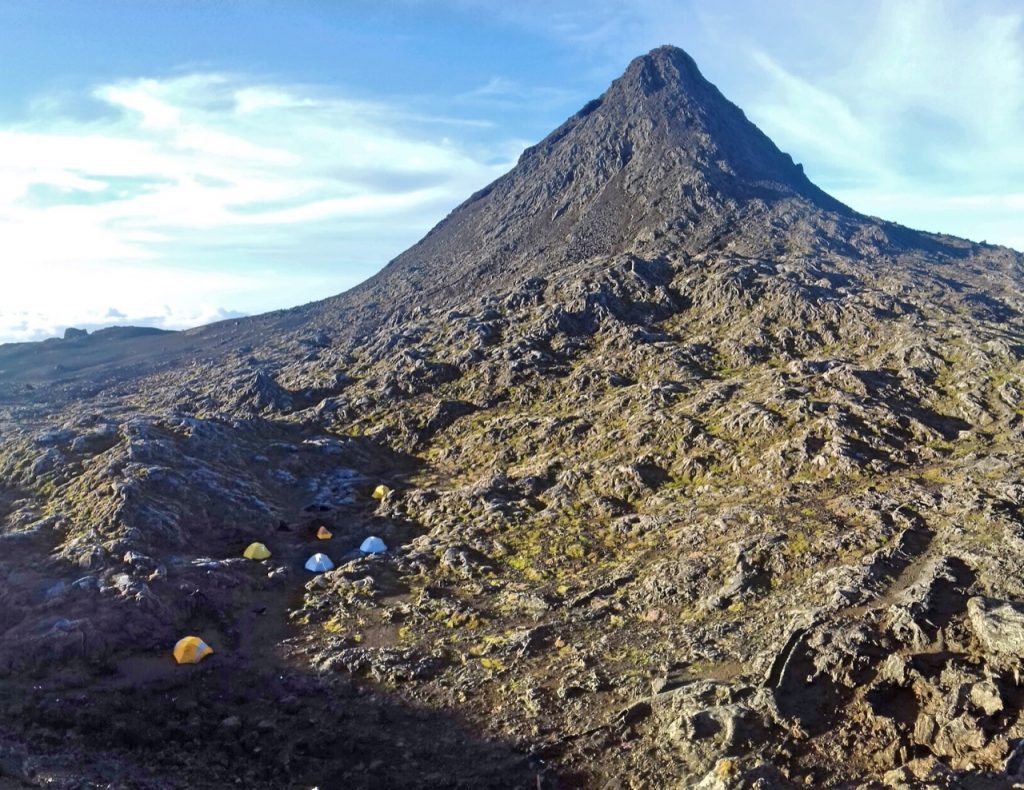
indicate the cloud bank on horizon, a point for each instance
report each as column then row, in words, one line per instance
column 215, row 189
column 198, row 197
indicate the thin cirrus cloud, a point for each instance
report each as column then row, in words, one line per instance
column 177, row 201
column 909, row 132
column 920, row 123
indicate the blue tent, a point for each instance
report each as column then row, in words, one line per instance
column 373, row 545
column 319, row 563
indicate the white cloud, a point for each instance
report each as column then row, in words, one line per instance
column 268, row 194
column 166, row 295
column 504, row 93
column 995, row 219
column 923, row 127
column 816, row 122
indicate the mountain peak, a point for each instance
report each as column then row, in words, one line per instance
column 661, row 150
column 713, row 136
column 664, row 66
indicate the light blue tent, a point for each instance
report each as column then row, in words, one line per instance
column 373, row 545
column 319, row 563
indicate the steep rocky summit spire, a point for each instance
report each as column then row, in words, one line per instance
column 661, row 150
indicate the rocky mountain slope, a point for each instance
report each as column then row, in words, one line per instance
column 698, row 478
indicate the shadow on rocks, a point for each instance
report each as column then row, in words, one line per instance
column 221, row 724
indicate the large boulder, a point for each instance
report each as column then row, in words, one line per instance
column 999, row 625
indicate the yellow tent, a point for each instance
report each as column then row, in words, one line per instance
column 381, row 491
column 324, row 534
column 256, row 551
column 191, row 650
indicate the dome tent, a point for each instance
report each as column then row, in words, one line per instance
column 256, row 551
column 324, row 534
column 319, row 563
column 191, row 650
column 381, row 491
column 373, row 545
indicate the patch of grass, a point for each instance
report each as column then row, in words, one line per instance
column 493, row 664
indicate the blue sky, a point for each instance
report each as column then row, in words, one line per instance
column 171, row 162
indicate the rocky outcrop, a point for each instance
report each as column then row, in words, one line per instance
column 999, row 625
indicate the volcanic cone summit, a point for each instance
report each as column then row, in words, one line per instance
column 661, row 152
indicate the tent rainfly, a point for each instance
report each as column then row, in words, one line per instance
column 381, row 491
column 373, row 545
column 319, row 563
column 191, row 650
column 256, row 551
